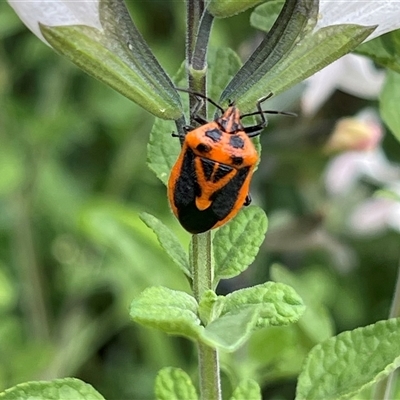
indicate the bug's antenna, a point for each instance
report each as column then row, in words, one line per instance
column 260, row 111
column 288, row 113
column 197, row 94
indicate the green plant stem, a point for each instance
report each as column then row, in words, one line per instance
column 203, row 273
column 199, row 25
column 33, row 301
column 198, row 60
column 384, row 388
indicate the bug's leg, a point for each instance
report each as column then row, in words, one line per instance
column 194, row 112
column 255, row 130
column 247, row 201
column 186, row 128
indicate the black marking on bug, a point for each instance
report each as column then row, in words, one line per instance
column 236, row 142
column 186, row 187
column 223, row 200
column 208, row 167
column 214, row 135
column 221, row 171
column 236, row 160
column 203, row 148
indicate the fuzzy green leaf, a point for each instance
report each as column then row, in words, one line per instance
column 210, row 306
column 231, row 331
column 168, row 310
column 163, row 149
column 119, row 57
column 227, row 8
column 236, row 244
column 316, row 322
column 168, row 241
column 384, row 50
column 290, row 53
column 280, row 304
column 248, row 389
column 295, row 21
column 311, row 54
column 342, row 366
column 264, row 16
column 174, row 384
column 389, row 100
column 252, row 308
column 58, row 389
column 223, row 64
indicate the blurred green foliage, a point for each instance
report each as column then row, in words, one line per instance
column 74, row 253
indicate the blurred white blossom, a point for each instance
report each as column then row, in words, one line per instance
column 369, row 163
column 56, row 13
column 363, row 132
column 376, row 215
column 352, row 74
column 384, row 13
column 346, row 169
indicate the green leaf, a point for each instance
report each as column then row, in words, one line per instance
column 174, row 384
column 210, row 306
column 248, row 389
column 249, row 309
column 223, row 63
column 278, row 351
column 280, row 304
column 316, row 322
column 232, row 330
column 384, row 50
column 342, row 366
column 163, row 149
column 168, row 310
column 58, row 389
column 168, row 241
column 236, row 244
column 227, row 8
column 388, row 103
column 119, row 57
column 296, row 20
column 310, row 54
column 264, row 16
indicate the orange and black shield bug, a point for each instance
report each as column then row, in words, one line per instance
column 210, row 180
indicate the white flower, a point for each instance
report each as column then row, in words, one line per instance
column 56, row 13
column 375, row 215
column 384, row 13
column 352, row 74
column 344, row 170
column 362, row 132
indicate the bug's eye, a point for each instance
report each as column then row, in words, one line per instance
column 203, row 148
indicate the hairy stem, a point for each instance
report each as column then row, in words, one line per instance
column 199, row 24
column 203, row 273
